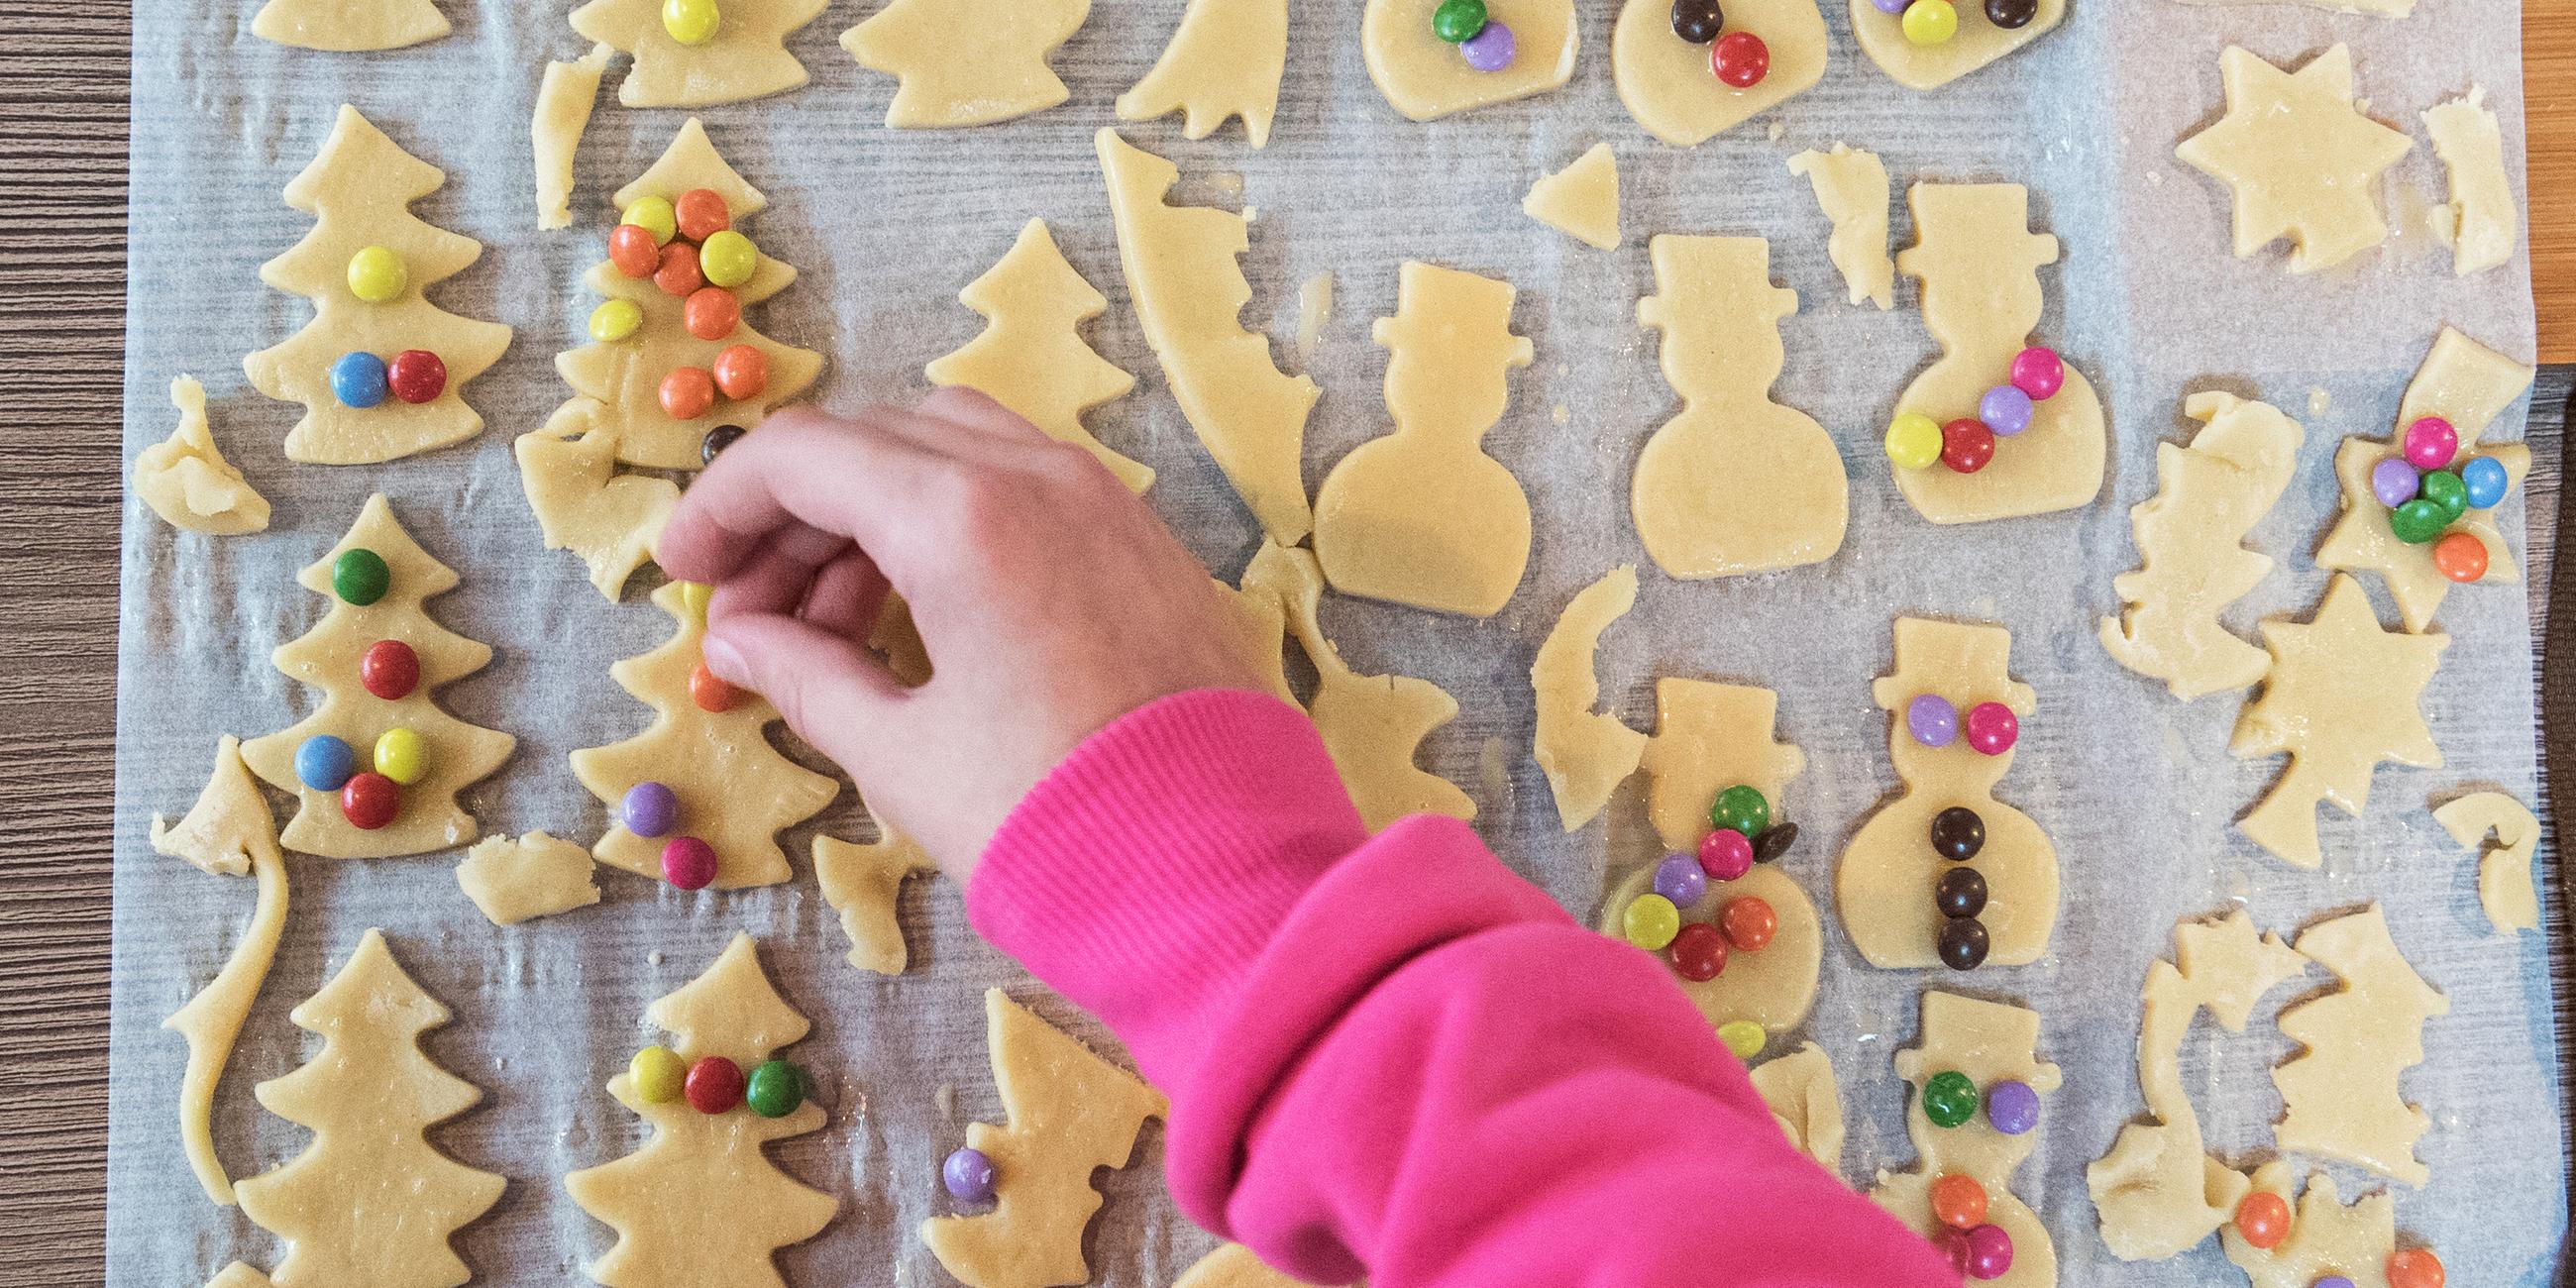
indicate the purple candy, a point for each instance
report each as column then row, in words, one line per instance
column 1679, row 879
column 1933, row 720
column 1489, row 50
column 968, row 1176
column 2005, row 410
column 2012, row 1107
column 2332, row 1281
column 1953, row 1247
column 1989, row 1252
column 2393, row 481
column 1891, row 6
column 650, row 809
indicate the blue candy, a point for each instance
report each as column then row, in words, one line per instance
column 358, row 379
column 324, row 763
column 2487, row 481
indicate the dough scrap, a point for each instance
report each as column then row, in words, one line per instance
column 1422, row 516
column 961, row 62
column 2504, row 870
column 2469, row 385
column 1585, row 753
column 515, row 879
column 1069, row 1112
column 2480, row 221
column 1665, row 81
column 1260, row 620
column 1990, row 1042
column 1883, row 882
column 1851, row 188
column 359, row 190
column 565, row 98
column 746, row 58
column 2327, row 1236
column 228, row 832
column 1032, row 358
column 326, row 658
column 1232, row 1265
column 2192, row 563
column 2340, row 697
column 568, row 468
column 1720, row 318
column 862, row 882
column 2300, row 160
column 700, row 1202
column 1581, row 200
column 1799, row 1088
column 239, row 1275
column 1881, row 35
column 1188, row 294
column 736, row 792
column 369, row 1200
column 2340, row 1097
column 1978, row 265
column 349, row 26
column 1225, row 60
column 187, row 481
column 1426, row 78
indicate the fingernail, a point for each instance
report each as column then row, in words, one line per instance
column 724, row 659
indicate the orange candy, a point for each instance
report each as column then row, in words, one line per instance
column 1748, row 922
column 2415, row 1268
column 701, row 214
column 710, row 692
column 688, row 393
column 632, row 249
column 678, row 274
column 741, row 372
column 1958, row 1201
column 2263, row 1219
column 2460, row 557
column 711, row 313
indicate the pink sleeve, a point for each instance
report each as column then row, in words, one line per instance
column 1391, row 1054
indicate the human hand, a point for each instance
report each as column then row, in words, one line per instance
column 1050, row 599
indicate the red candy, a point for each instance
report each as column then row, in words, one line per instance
column 1967, row 445
column 1698, row 953
column 369, row 800
column 688, row 862
column 676, row 272
column 1749, row 923
column 1740, row 59
column 701, row 214
column 741, row 372
column 710, row 691
column 1725, row 854
column 711, row 313
column 416, row 376
column 2415, row 1268
column 632, row 249
column 688, row 393
column 2263, row 1219
column 714, row 1085
column 389, row 669
column 1992, row 728
column 2038, row 372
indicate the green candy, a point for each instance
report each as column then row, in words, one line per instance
column 2444, row 488
column 1742, row 809
column 1949, row 1099
column 2420, row 520
column 775, row 1089
column 360, row 576
column 1458, row 21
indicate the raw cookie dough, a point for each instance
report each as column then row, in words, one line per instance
column 515, row 879
column 701, row 1203
column 2504, row 870
column 2480, row 221
column 1422, row 516
column 1774, row 987
column 359, row 190
column 2340, row 698
column 1978, row 265
column 1990, row 1042
column 746, row 58
column 2327, row 1236
column 349, row 26
column 1799, row 1088
column 1979, row 41
column 1581, row 200
column 568, row 469
column 187, row 481
column 327, row 658
column 2339, row 1097
column 961, row 62
column 2192, row 563
column 2157, row 1192
column 1668, row 86
column 2469, row 385
column 564, row 101
column 1225, row 60
column 1426, row 78
column 736, row 792
column 1883, row 882
column 1232, row 1265
column 369, row 1200
column 228, row 832
column 1070, row 1112
column 1032, row 357
column 1720, row 319
column 1585, row 753
column 1188, row 294
column 862, row 882
column 239, row 1275
column 1372, row 725
column 2301, row 161
column 1851, row 188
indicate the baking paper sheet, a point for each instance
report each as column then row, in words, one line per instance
column 887, row 225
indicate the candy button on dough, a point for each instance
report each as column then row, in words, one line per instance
column 1989, row 1042
column 2328, row 1236
column 1979, row 41
column 1667, row 83
column 1426, row 78
column 1774, row 986
column 746, row 57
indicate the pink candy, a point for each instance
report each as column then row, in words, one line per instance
column 1725, row 854
column 2431, row 443
column 688, row 863
column 1992, row 728
column 2036, row 371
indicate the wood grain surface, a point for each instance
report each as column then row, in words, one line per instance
column 62, row 258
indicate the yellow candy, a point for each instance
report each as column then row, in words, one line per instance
column 656, row 1075
column 691, row 22
column 654, row 215
column 377, row 275
column 727, row 258
column 1651, row 922
column 1914, row 439
column 615, row 320
column 1745, row 1037
column 1927, row 22
column 400, row 756
column 693, row 597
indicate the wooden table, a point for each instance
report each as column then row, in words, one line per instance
column 62, row 264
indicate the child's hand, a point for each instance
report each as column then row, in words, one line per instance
column 1051, row 600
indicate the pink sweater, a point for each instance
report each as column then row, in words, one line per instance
column 1389, row 1054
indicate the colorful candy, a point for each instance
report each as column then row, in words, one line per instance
column 1678, row 878
column 968, row 1175
column 1913, row 441
column 1953, row 1247
column 2487, row 481
column 401, row 755
column 775, row 1089
column 2415, row 1268
column 1930, row 22
column 634, row 250
column 1932, row 720
column 1961, row 892
column 2417, row 522
column 2334, row 1281
column 691, row 22
column 676, row 271
column 2263, row 1219
column 1491, row 49
column 1990, row 1252
column 2012, row 1107
column 701, row 214
column 1457, row 21
column 1725, row 854
column 324, row 763
column 687, row 393
column 2444, row 489
column 654, row 215
column 2431, row 443
column 1748, row 923
column 727, row 258
column 1774, row 841
column 693, row 601
column 358, row 380
column 714, row 1085
column 710, row 691
column 1992, row 728
column 1958, row 1201
column 649, row 810
column 2461, row 557
column 2006, row 410
column 417, row 376
column 369, row 801
column 1967, row 446
column 1698, row 952
column 741, row 372
column 1698, row 21
column 1651, row 922
column 2393, row 481
column 718, row 439
column 1891, row 6
column 2011, row 14
column 359, row 576
column 2039, row 372
column 614, row 320
column 1963, row 943
column 1740, row 59
column 688, row 862
column 1743, row 1038
column 1957, row 833
column 711, row 313
column 389, row 669
column 1949, row 1099
column 377, row 275
column 656, row 1076
column 1740, row 808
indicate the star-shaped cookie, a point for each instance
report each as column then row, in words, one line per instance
column 2302, row 162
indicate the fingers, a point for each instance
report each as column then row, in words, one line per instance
column 860, row 480
column 827, row 687
column 846, row 595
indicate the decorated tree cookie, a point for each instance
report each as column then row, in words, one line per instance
column 514, row 879
column 1851, row 187
column 700, row 1203
column 1720, row 316
column 1926, row 44
column 1690, row 70
column 1032, row 358
column 349, row 26
column 1070, row 1113
column 2339, row 1096
column 2505, row 888
column 376, row 768
column 862, row 882
column 1945, row 874
column 691, row 53
column 1435, row 58
column 1974, row 1116
column 1422, row 516
column 1225, row 60
column 187, row 481
column 1998, row 427
column 699, row 796
column 1585, row 753
column 1581, row 200
column 369, row 1200
column 1799, row 1090
column 959, row 62
column 2300, row 160
column 380, row 370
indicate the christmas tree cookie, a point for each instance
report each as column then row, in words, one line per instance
column 862, row 882
column 1225, row 60
column 2339, row 1095
column 1689, row 71
column 187, row 481
column 958, row 62
column 1926, row 44
column 1032, row 357
column 349, row 26
column 2300, row 159
column 380, row 370
column 377, row 767
column 1436, row 58
column 692, row 53
column 1974, row 1117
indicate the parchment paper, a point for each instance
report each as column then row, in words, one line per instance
column 887, row 225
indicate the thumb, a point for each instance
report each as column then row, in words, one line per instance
column 828, row 689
